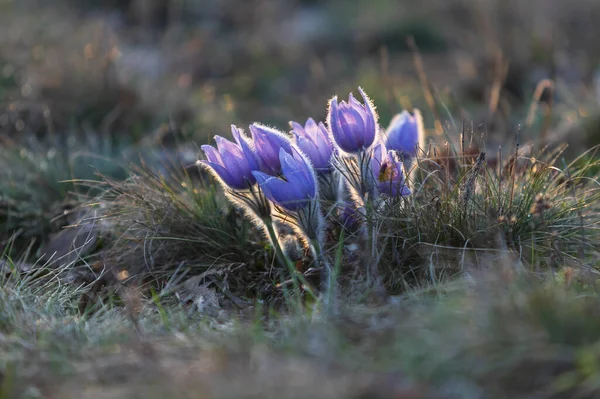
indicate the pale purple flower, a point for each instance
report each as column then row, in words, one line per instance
column 296, row 187
column 232, row 163
column 268, row 142
column 403, row 134
column 314, row 141
column 388, row 172
column 352, row 124
column 350, row 216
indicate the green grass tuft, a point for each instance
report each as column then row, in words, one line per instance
column 463, row 211
column 36, row 185
column 168, row 227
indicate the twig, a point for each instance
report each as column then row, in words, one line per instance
column 500, row 72
column 514, row 167
column 386, row 77
column 580, row 253
column 425, row 83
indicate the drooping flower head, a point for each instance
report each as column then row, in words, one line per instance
column 404, row 134
column 388, row 172
column 315, row 142
column 352, row 125
column 268, row 142
column 297, row 185
column 232, row 162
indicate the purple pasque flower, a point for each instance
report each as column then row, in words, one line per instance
column 388, row 172
column 314, row 141
column 296, row 187
column 403, row 133
column 267, row 143
column 350, row 216
column 352, row 124
column 232, row 163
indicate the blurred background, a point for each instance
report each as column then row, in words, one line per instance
column 185, row 69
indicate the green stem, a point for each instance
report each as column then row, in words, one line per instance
column 281, row 258
column 284, row 261
column 328, row 277
column 368, row 191
column 321, row 261
column 371, row 241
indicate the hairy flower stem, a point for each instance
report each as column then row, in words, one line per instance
column 328, row 279
column 298, row 279
column 370, row 200
column 329, row 191
column 372, row 272
column 280, row 255
column 310, row 227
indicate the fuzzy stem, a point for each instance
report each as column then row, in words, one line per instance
column 328, row 283
column 372, row 271
column 297, row 278
column 369, row 194
column 279, row 254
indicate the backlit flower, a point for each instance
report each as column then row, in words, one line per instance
column 353, row 125
column 296, row 187
column 314, row 141
column 404, row 133
column 268, row 142
column 388, row 172
column 232, row 162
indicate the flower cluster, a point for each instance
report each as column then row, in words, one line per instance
column 349, row 163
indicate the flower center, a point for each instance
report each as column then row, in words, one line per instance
column 386, row 173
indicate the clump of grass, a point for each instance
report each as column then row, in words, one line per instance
column 166, row 227
column 539, row 208
column 46, row 340
column 508, row 335
column 37, row 189
column 38, row 316
column 502, row 334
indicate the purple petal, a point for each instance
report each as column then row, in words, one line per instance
column 228, row 178
column 249, row 153
column 403, row 133
column 298, row 172
column 226, row 146
column 377, row 157
column 354, row 127
column 315, row 142
column 392, row 181
column 323, row 139
column 315, row 154
column 288, row 162
column 267, row 154
column 354, row 103
column 308, row 174
column 280, row 191
column 404, row 191
column 268, row 142
column 311, row 128
column 262, row 179
column 297, row 129
column 212, row 154
column 275, row 137
column 236, row 165
column 371, row 118
column 234, row 160
column 333, row 121
column 309, row 148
